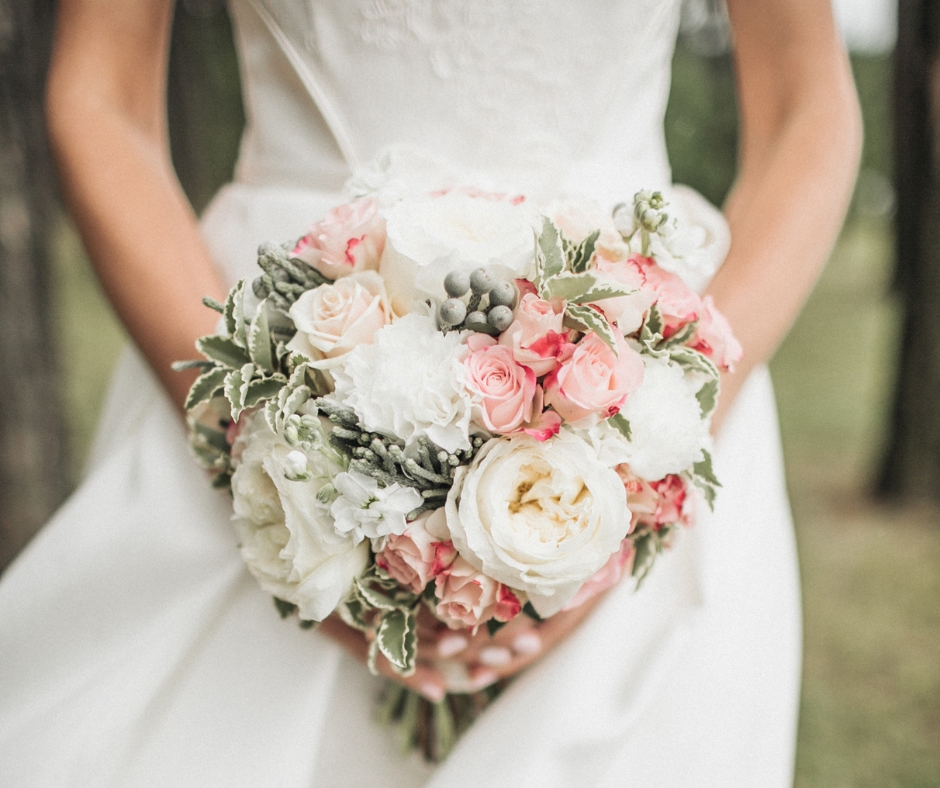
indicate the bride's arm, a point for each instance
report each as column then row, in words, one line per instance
column 107, row 123
column 800, row 144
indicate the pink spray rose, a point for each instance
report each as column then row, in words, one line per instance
column 606, row 577
column 592, row 380
column 654, row 504
column 678, row 303
column 468, row 598
column 416, row 556
column 501, row 390
column 544, row 424
column 714, row 337
column 536, row 335
column 349, row 238
column 626, row 312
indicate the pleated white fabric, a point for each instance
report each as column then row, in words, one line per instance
column 135, row 649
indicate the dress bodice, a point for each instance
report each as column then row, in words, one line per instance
column 542, row 94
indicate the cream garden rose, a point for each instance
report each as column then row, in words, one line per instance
column 540, row 517
column 287, row 536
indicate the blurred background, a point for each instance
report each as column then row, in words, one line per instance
column 857, row 378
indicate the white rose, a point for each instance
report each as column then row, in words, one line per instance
column 541, row 517
column 287, row 536
column 667, row 430
column 429, row 238
column 333, row 319
column 409, row 383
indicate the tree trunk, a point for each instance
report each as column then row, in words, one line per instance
column 911, row 469
column 33, row 478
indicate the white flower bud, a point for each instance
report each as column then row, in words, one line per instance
column 295, row 467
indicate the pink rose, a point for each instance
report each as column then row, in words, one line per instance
column 468, row 598
column 670, row 505
column 714, row 337
column 592, row 380
column 333, row 319
column 544, row 424
column 502, row 391
column 606, row 577
column 626, row 312
column 535, row 335
column 654, row 504
column 416, row 556
column 678, row 303
column 349, row 238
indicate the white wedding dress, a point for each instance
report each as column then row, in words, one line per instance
column 135, row 648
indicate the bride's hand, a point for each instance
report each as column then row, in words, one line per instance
column 483, row 659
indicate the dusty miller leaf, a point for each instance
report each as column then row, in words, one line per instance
column 205, row 386
column 222, row 350
column 259, row 340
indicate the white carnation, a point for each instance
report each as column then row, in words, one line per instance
column 409, row 383
column 668, row 432
column 287, row 536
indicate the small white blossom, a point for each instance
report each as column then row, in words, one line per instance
column 365, row 510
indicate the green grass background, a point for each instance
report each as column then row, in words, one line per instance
column 871, row 574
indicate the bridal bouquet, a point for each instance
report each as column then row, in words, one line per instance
column 463, row 404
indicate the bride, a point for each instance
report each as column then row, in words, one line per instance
column 135, row 649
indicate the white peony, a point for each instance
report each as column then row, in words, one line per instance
column 409, row 383
column 287, row 536
column 428, row 238
column 367, row 511
column 668, row 432
column 541, row 517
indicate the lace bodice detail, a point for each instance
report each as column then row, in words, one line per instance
column 540, row 93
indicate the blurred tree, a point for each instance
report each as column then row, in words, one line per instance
column 33, row 478
column 204, row 98
column 911, row 467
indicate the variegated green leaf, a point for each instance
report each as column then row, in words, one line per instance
column 374, row 597
column 582, row 254
column 261, row 389
column 259, row 340
column 234, row 307
column 654, row 321
column 550, row 257
column 622, row 426
column 703, row 476
column 707, row 397
column 236, row 388
column 646, row 547
column 588, row 319
column 692, row 360
column 397, row 640
column 205, row 386
column 223, row 350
